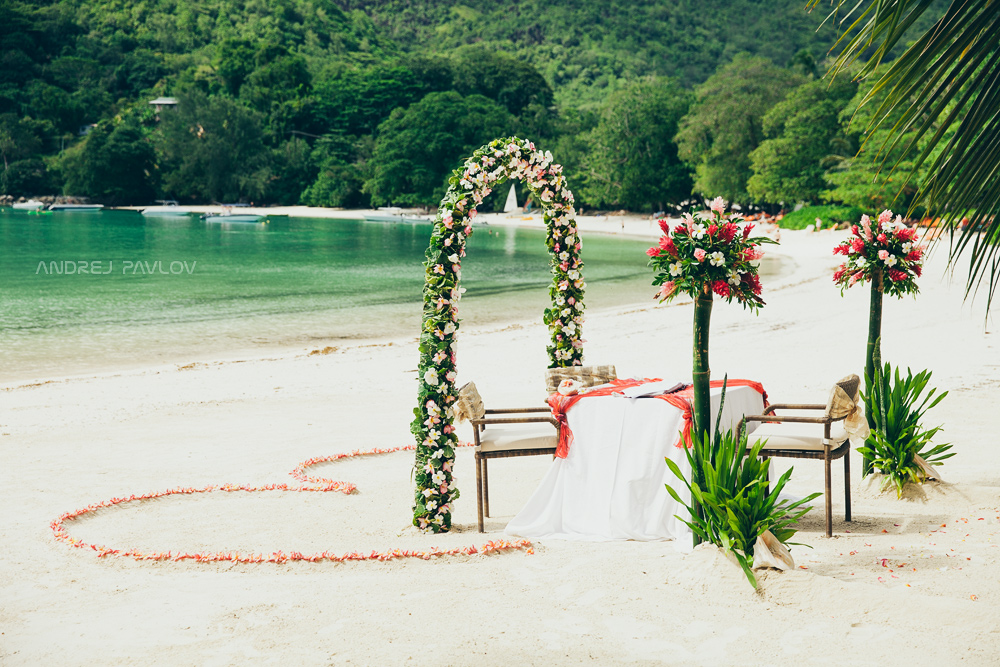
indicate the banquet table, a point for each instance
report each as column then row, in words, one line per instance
column 610, row 485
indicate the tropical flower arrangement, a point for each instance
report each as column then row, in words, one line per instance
column 706, row 255
column 709, row 250
column 887, row 253
column 433, row 424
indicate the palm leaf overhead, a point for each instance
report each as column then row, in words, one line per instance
column 945, row 91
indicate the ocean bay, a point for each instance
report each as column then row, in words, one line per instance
column 94, row 292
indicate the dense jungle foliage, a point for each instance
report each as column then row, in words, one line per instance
column 372, row 102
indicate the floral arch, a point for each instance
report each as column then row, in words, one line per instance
column 433, row 426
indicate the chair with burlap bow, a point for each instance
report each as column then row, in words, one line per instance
column 799, row 437
column 504, row 436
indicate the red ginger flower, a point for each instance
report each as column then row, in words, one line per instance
column 667, row 244
column 753, row 281
column 654, row 251
column 896, row 275
column 721, row 287
column 664, row 226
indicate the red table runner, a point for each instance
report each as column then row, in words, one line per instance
column 680, row 399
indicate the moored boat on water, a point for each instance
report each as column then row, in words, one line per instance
column 30, row 205
column 229, row 215
column 235, row 213
column 80, row 208
column 166, row 208
column 234, row 217
column 394, row 214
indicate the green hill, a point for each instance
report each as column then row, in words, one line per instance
column 586, row 49
column 305, row 101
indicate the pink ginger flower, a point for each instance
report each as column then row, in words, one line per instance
column 699, row 254
column 666, row 290
column 718, row 205
column 884, row 216
column 866, row 225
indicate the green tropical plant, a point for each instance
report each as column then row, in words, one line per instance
column 895, row 406
column 731, row 505
column 945, row 88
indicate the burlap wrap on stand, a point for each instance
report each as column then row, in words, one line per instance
column 469, row 404
column 844, row 402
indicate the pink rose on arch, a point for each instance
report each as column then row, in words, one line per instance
column 882, row 254
column 699, row 254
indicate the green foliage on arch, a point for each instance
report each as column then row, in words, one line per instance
column 433, row 426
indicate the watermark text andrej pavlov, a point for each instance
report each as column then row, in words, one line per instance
column 70, row 267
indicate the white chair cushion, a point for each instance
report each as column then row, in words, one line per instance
column 808, row 437
column 502, row 437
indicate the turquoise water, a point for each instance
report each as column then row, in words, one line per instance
column 228, row 289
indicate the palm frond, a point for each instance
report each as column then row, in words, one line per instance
column 944, row 92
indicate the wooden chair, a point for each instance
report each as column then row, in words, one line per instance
column 503, row 437
column 798, row 437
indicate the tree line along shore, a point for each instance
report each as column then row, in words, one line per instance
column 649, row 106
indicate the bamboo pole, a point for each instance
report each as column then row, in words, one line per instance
column 873, row 351
column 701, row 376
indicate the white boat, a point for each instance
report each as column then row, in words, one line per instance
column 394, row 214
column 167, row 207
column 234, row 217
column 30, row 205
column 76, row 207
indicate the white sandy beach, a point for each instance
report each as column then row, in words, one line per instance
column 913, row 582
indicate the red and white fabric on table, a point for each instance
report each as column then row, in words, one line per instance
column 610, row 485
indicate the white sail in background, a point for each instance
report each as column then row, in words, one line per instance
column 511, row 205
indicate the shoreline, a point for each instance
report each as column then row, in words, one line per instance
column 630, row 227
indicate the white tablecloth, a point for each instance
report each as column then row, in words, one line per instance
column 610, row 486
